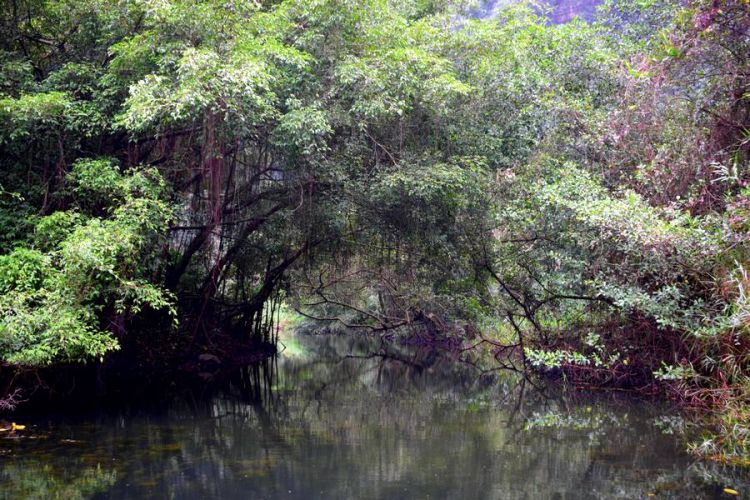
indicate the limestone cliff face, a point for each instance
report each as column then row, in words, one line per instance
column 565, row 10
column 562, row 10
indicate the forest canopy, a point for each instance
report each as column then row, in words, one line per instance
column 576, row 193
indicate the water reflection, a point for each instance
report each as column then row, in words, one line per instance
column 351, row 417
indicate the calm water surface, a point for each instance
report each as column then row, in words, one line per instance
column 344, row 417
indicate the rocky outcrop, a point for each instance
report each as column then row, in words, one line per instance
column 562, row 11
column 565, row 10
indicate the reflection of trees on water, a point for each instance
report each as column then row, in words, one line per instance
column 355, row 418
column 33, row 480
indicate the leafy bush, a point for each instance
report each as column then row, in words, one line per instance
column 52, row 296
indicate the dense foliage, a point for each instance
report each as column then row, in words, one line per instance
column 574, row 193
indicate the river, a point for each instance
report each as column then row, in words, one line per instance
column 347, row 417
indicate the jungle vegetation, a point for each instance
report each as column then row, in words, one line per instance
column 572, row 197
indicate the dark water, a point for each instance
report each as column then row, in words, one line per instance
column 389, row 422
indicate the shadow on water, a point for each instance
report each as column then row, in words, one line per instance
column 352, row 417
